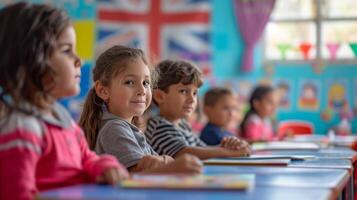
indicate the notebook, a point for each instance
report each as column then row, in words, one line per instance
column 248, row 161
column 216, row 182
column 283, row 145
column 267, row 157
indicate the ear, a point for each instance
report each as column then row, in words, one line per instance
column 256, row 104
column 159, row 96
column 102, row 91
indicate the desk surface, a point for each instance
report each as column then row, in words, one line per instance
column 329, row 153
column 334, row 179
column 261, row 193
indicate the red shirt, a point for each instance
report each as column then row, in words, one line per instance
column 39, row 153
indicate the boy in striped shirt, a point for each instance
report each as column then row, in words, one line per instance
column 176, row 96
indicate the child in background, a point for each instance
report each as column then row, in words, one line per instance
column 41, row 147
column 256, row 125
column 219, row 107
column 176, row 97
column 121, row 94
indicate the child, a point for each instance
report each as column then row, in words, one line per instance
column 256, row 125
column 121, row 94
column 176, row 96
column 40, row 145
column 219, row 107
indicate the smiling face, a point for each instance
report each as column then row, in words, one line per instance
column 178, row 102
column 129, row 92
column 66, row 66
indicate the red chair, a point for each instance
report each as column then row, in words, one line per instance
column 295, row 127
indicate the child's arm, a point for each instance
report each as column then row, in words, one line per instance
column 20, row 150
column 186, row 163
column 149, row 162
column 103, row 168
column 213, row 152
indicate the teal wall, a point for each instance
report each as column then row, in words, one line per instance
column 227, row 51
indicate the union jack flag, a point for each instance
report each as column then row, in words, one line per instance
column 174, row 29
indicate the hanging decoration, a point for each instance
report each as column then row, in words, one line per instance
column 305, row 48
column 283, row 48
column 353, row 47
column 332, row 49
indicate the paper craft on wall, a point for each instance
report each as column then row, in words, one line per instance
column 243, row 89
column 284, row 88
column 309, row 94
column 337, row 94
column 355, row 96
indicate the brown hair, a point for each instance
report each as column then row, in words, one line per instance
column 108, row 65
column 28, row 35
column 213, row 95
column 173, row 72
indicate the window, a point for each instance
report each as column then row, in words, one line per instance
column 312, row 29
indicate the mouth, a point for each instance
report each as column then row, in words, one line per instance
column 138, row 102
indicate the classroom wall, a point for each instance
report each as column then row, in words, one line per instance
column 227, row 51
column 227, row 48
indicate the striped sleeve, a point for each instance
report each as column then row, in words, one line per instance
column 21, row 146
column 165, row 138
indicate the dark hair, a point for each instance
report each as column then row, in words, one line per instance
column 213, row 95
column 108, row 65
column 28, row 35
column 258, row 93
column 173, row 72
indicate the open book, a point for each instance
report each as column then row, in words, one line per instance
column 217, row 181
column 248, row 161
column 285, row 146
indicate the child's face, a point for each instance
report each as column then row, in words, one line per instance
column 66, row 66
column 223, row 111
column 129, row 93
column 179, row 102
column 267, row 105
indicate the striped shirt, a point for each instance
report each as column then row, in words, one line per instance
column 39, row 152
column 168, row 139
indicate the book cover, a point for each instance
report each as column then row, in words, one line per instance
column 282, row 145
column 248, row 161
column 217, row 181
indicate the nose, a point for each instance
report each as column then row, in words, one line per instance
column 77, row 61
column 191, row 97
column 141, row 90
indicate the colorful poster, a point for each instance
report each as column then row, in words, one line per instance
column 309, row 94
column 164, row 29
column 337, row 94
column 355, row 95
column 243, row 88
column 284, row 91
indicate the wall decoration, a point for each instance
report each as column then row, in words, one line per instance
column 284, row 90
column 332, row 49
column 177, row 29
column 309, row 94
column 337, row 95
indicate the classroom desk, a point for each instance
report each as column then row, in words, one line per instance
column 337, row 158
column 344, row 141
column 91, row 192
column 333, row 179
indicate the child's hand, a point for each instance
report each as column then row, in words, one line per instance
column 112, row 176
column 186, row 163
column 167, row 159
column 150, row 161
column 233, row 143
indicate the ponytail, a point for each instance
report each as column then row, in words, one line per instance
column 91, row 116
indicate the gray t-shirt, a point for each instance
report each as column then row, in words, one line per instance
column 122, row 139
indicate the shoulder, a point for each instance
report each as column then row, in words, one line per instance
column 21, row 122
column 254, row 119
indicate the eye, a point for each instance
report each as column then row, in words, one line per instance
column 195, row 93
column 129, row 82
column 146, row 83
column 183, row 91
